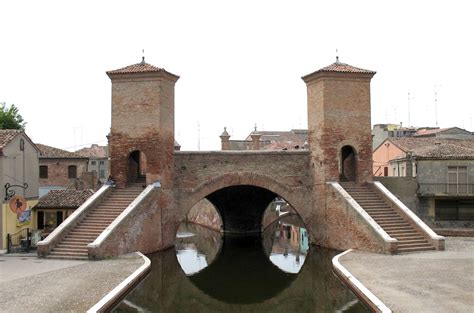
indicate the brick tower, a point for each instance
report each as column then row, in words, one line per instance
column 339, row 123
column 141, row 139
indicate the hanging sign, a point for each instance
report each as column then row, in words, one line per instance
column 18, row 204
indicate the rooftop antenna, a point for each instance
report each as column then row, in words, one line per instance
column 255, row 127
column 436, row 103
column 199, row 137
column 143, row 56
column 410, row 97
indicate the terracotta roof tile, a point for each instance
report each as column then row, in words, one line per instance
column 141, row 67
column 63, row 199
column 344, row 68
column 7, row 135
column 55, row 153
column 94, row 151
column 437, row 148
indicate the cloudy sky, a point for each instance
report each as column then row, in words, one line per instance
column 240, row 62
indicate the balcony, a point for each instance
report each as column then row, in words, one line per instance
column 445, row 189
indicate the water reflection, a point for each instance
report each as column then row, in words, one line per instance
column 277, row 272
column 196, row 247
column 288, row 244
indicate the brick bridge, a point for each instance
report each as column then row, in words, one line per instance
column 239, row 183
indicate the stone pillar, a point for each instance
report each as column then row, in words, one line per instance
column 255, row 141
column 225, row 143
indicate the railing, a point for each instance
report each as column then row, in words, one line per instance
column 445, row 189
column 19, row 241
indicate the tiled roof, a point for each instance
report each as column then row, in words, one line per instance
column 63, row 199
column 344, row 68
column 55, row 153
column 141, row 67
column 95, row 151
column 298, row 136
column 432, row 147
column 7, row 135
column 444, row 151
column 435, row 131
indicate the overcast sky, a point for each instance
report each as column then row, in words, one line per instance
column 240, row 62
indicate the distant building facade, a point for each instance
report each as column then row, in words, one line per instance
column 98, row 161
column 18, row 167
column 380, row 132
column 444, row 172
column 61, row 169
column 294, row 139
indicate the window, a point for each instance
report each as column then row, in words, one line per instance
column 101, row 162
column 92, row 162
column 457, row 179
column 43, row 171
column 72, row 171
column 454, row 210
column 102, row 174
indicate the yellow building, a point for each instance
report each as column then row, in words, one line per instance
column 18, row 182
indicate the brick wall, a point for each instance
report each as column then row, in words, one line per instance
column 58, row 172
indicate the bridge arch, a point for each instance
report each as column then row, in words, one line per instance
column 241, row 180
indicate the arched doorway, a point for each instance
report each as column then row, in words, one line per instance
column 348, row 164
column 136, row 167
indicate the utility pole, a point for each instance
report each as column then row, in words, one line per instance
column 436, row 103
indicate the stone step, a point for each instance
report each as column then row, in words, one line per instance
column 376, row 210
column 384, row 214
column 88, row 222
column 415, row 249
column 66, row 244
column 82, row 250
column 75, row 233
column 73, row 240
column 408, row 237
column 60, row 253
column 62, row 256
column 388, row 225
column 392, row 229
column 398, row 231
column 101, row 217
column 389, row 220
column 413, row 241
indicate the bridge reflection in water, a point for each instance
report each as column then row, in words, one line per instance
column 273, row 272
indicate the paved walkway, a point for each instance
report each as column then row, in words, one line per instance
column 31, row 284
column 440, row 281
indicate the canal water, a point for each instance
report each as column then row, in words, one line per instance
column 276, row 271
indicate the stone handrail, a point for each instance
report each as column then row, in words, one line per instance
column 390, row 244
column 97, row 243
column 436, row 240
column 375, row 304
column 45, row 245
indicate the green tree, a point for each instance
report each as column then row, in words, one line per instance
column 10, row 119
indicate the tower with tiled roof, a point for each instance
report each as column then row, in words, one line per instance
column 339, row 123
column 141, row 137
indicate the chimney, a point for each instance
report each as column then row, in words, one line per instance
column 225, row 144
column 255, row 141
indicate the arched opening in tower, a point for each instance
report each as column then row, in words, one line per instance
column 136, row 167
column 348, row 164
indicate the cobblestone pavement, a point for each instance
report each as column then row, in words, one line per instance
column 439, row 281
column 31, row 284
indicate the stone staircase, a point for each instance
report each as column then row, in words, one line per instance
column 74, row 244
column 409, row 238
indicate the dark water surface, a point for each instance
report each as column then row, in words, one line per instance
column 277, row 271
